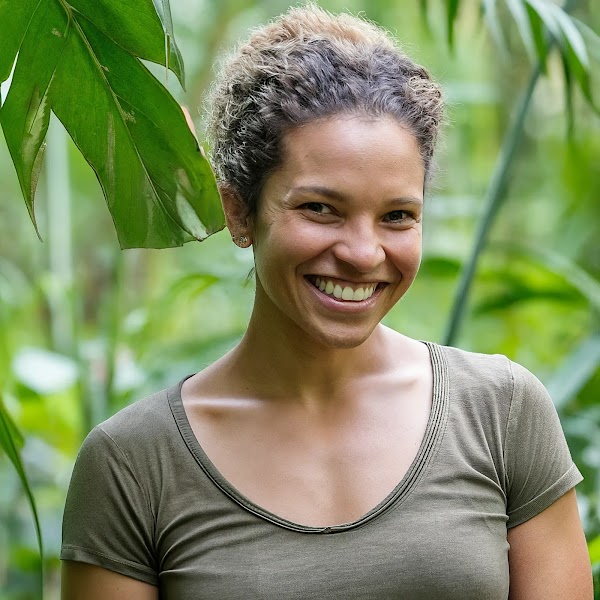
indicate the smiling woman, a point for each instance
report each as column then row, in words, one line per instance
column 327, row 456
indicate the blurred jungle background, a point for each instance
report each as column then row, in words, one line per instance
column 86, row 328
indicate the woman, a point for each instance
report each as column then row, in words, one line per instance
column 327, row 456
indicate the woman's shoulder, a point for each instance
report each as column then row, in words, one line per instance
column 496, row 370
column 501, row 381
column 143, row 422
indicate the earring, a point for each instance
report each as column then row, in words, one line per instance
column 242, row 241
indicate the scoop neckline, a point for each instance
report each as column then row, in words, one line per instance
column 427, row 450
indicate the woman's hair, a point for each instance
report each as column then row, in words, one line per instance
column 304, row 66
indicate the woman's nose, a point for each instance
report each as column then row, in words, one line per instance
column 360, row 247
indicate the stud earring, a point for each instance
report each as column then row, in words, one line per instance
column 242, row 241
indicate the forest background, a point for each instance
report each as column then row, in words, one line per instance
column 86, row 328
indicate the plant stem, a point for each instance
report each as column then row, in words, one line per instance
column 494, row 198
column 492, row 202
column 60, row 253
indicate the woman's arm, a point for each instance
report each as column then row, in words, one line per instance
column 81, row 581
column 548, row 556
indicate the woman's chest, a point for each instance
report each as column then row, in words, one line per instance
column 410, row 551
column 317, row 470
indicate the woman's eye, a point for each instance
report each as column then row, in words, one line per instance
column 397, row 216
column 317, row 207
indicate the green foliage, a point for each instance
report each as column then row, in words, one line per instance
column 81, row 61
column 143, row 318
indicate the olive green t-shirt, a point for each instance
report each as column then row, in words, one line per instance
column 146, row 501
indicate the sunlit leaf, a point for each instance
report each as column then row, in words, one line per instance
column 575, row 371
column 159, row 188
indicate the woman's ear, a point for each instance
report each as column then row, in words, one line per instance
column 237, row 215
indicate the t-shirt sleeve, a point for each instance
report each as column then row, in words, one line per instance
column 539, row 467
column 108, row 519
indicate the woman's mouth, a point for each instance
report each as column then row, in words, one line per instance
column 348, row 291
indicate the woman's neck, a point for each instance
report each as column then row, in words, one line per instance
column 278, row 363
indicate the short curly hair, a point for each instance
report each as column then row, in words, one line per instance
column 304, row 66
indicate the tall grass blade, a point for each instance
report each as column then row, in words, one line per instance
column 10, row 442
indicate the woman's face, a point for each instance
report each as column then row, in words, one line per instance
column 337, row 234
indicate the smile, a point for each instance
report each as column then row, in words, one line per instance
column 347, row 291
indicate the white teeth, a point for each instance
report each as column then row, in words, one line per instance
column 348, row 293
column 345, row 293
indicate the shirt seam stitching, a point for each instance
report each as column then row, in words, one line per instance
column 135, row 477
column 128, row 563
column 506, row 430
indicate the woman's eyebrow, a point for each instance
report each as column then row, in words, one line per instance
column 335, row 195
column 319, row 191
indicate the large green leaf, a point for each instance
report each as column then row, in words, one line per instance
column 159, row 187
column 14, row 17
column 136, row 26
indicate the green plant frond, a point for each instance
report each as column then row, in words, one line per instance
column 571, row 44
column 539, row 34
column 11, row 441
column 521, row 18
column 158, row 186
column 547, row 14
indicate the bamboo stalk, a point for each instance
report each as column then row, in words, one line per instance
column 59, row 240
column 494, row 197
column 492, row 202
